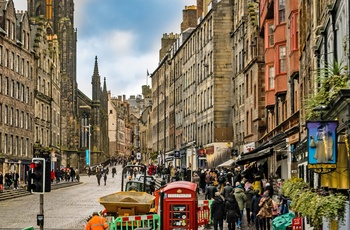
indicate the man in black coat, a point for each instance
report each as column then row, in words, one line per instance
column 254, row 209
column 210, row 191
column 228, row 189
column 202, row 181
column 217, row 211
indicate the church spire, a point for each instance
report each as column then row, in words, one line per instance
column 96, row 82
column 104, row 86
column 96, row 67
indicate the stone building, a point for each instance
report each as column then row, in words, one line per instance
column 47, row 93
column 62, row 17
column 248, row 81
column 17, row 74
column 93, row 123
column 198, row 66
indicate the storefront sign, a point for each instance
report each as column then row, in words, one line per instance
column 248, row 147
column 209, row 150
column 297, row 223
column 322, row 144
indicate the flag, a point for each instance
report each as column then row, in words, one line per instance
column 147, row 73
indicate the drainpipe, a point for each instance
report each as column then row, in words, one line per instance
column 276, row 111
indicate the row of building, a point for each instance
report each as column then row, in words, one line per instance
column 42, row 111
column 238, row 85
column 242, row 80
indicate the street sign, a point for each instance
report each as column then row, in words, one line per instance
column 138, row 156
column 87, row 157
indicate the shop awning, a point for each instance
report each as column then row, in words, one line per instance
column 227, row 163
column 264, row 150
column 264, row 153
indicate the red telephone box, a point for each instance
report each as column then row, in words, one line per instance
column 180, row 206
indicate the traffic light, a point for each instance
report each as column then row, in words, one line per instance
column 36, row 181
column 47, row 174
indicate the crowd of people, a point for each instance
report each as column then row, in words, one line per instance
column 10, row 178
column 235, row 197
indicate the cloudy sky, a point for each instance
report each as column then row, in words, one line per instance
column 125, row 35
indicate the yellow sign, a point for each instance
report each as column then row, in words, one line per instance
column 322, row 166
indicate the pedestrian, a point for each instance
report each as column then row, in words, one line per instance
column 249, row 194
column 98, row 176
column 210, row 191
column 1, row 182
column 241, row 200
column 217, row 211
column 15, row 179
column 232, row 212
column 96, row 223
column 114, row 171
column 255, row 208
column 227, row 190
column 196, row 180
column 72, row 174
column 202, row 181
column 77, row 176
column 265, row 213
column 52, row 176
column 105, row 178
column 8, row 178
column 89, row 171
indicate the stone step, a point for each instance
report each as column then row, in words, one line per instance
column 20, row 192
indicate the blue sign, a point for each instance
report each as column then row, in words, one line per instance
column 177, row 154
column 87, row 157
column 322, row 142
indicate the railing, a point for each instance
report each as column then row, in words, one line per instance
column 151, row 222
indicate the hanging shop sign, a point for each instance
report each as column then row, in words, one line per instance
column 322, row 144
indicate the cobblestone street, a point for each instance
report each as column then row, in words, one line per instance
column 65, row 208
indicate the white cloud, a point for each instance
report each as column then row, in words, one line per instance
column 118, row 61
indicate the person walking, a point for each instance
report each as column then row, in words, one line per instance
column 255, row 208
column 8, row 177
column 105, row 178
column 202, row 181
column 89, row 171
column 98, row 176
column 217, row 210
column 96, row 223
column 227, row 190
column 241, row 200
column 249, row 194
column 210, row 191
column 1, row 182
column 15, row 178
column 52, row 176
column 266, row 206
column 232, row 211
column 196, row 180
column 114, row 171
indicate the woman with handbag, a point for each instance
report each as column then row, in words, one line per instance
column 232, row 212
column 265, row 213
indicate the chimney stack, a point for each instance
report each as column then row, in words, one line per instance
column 189, row 18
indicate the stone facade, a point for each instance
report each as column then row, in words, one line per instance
column 17, row 74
